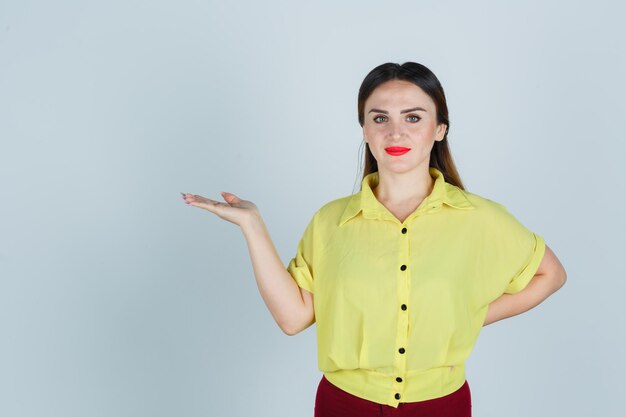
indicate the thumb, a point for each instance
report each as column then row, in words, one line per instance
column 230, row 198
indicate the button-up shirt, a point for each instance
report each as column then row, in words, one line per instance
column 399, row 305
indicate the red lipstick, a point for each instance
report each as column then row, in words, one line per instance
column 397, row 150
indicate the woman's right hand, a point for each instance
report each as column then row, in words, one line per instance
column 235, row 210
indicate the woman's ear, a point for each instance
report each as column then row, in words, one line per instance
column 441, row 132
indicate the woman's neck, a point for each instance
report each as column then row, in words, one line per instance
column 401, row 189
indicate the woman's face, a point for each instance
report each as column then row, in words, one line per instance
column 399, row 114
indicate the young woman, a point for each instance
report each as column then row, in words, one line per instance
column 405, row 272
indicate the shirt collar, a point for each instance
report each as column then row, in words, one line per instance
column 366, row 202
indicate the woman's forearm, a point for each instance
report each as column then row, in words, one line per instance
column 538, row 289
column 278, row 289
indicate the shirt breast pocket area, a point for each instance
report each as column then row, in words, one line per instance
column 442, row 290
column 358, row 274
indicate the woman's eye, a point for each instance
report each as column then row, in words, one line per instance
column 413, row 118
column 377, row 119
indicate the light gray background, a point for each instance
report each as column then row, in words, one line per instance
column 117, row 299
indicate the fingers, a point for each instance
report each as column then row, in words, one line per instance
column 199, row 201
column 213, row 206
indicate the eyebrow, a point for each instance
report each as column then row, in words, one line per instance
column 403, row 111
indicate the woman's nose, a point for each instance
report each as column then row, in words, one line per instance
column 396, row 130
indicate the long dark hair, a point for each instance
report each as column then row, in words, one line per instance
column 418, row 74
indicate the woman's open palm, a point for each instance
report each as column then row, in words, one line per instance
column 234, row 210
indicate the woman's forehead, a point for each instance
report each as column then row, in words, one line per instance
column 398, row 93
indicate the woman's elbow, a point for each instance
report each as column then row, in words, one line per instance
column 563, row 277
column 289, row 331
column 559, row 278
column 297, row 328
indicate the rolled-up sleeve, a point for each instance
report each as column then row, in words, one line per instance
column 301, row 266
column 519, row 252
column 534, row 250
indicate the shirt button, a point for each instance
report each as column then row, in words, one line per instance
column 397, row 396
column 403, row 307
column 403, row 267
column 401, row 350
column 404, row 230
column 399, row 379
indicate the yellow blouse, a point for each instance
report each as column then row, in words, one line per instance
column 399, row 305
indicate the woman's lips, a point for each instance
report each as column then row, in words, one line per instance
column 397, row 150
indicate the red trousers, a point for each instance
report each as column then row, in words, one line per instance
column 332, row 401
